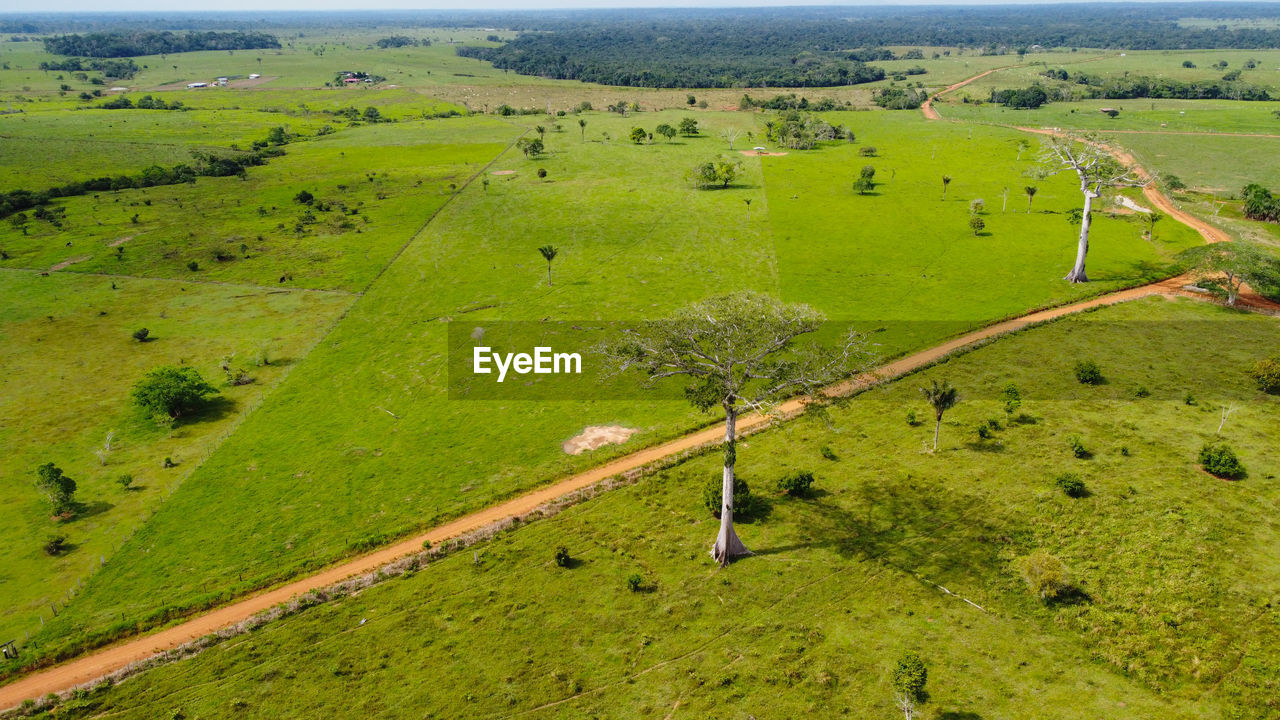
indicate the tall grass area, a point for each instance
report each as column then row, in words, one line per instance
column 362, row 444
column 69, row 362
column 1172, row 613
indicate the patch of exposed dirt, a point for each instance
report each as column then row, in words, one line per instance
column 595, row 436
column 68, row 263
column 121, row 241
column 504, row 172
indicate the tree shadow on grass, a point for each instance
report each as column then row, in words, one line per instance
column 959, row 715
column 1070, row 597
column 214, row 408
column 88, row 510
column 914, row 529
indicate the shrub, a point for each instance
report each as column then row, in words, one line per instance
column 304, row 198
column 713, row 495
column 1220, row 460
column 634, row 582
column 562, row 556
column 55, row 545
column 1267, row 374
column 542, row 172
column 1088, row 373
column 168, row 463
column 1078, row 449
column 1044, row 574
column 193, row 266
column 1072, row 485
column 171, row 391
column 912, row 419
column 828, row 453
column 796, row 483
column 1141, row 392
column 1012, row 397
column 141, row 334
column 124, row 481
column 984, row 432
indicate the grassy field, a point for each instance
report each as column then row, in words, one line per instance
column 383, row 454
column 69, row 361
column 1139, row 115
column 381, row 183
column 1174, row 615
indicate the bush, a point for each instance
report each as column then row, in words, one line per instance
column 542, row 172
column 1088, row 373
column 193, row 265
column 141, row 334
column 1078, row 449
column 713, row 496
column 1220, row 460
column 1267, row 374
column 562, row 556
column 984, row 432
column 796, row 483
column 125, row 481
column 59, row 489
column 1072, row 485
column 912, row 419
column 829, row 454
column 171, row 391
column 635, row 582
column 55, row 545
column 1044, row 574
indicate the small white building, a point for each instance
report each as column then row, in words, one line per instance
column 194, row 85
column 254, row 76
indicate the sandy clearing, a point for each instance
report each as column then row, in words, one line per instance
column 504, row 172
column 121, row 241
column 597, row 436
column 69, row 262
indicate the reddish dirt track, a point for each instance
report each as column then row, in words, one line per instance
column 92, row 666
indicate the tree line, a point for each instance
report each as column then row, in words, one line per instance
column 125, row 44
column 125, row 68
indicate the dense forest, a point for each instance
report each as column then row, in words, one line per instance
column 119, row 44
column 801, row 47
column 112, row 68
column 1068, row 87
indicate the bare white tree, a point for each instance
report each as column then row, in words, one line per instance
column 739, row 353
column 1088, row 157
column 730, row 136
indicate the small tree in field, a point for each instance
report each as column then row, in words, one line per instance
column 942, row 397
column 977, row 224
column 688, row 127
column 582, row 128
column 866, row 180
column 1031, row 191
column 665, row 131
column 946, row 180
column 739, row 354
column 638, row 135
column 171, row 392
column 909, row 678
column 1224, row 268
column 549, row 253
column 59, row 489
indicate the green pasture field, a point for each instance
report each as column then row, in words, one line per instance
column 1174, row 614
column 390, row 177
column 1153, row 63
column 1137, row 115
column 361, row 444
column 69, row 362
column 1220, row 165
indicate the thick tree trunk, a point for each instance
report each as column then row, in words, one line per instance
column 1077, row 274
column 728, row 546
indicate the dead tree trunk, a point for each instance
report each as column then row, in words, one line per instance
column 1077, row 274
column 728, row 546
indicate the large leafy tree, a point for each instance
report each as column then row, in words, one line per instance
column 171, row 392
column 1097, row 170
column 1225, row 268
column 739, row 353
column 59, row 489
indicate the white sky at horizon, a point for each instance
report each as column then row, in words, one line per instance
column 97, row 6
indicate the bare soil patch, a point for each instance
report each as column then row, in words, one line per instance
column 67, row 263
column 121, row 241
column 504, row 172
column 595, row 436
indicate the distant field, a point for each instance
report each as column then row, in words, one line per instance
column 390, row 178
column 1167, row 560
column 1211, row 163
column 1144, row 115
column 384, row 455
column 69, row 362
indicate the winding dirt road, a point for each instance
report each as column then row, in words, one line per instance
column 927, row 106
column 90, row 667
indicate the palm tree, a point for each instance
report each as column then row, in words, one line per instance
column 582, row 127
column 946, row 180
column 1030, row 190
column 549, row 252
column 542, row 132
column 942, row 397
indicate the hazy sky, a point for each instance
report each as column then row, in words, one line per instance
column 169, row 5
